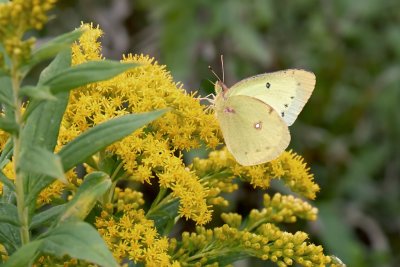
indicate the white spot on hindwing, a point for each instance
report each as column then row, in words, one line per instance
column 258, row 125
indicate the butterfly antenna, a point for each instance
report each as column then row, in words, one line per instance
column 222, row 84
column 213, row 72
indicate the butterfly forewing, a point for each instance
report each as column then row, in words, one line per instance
column 285, row 91
column 253, row 131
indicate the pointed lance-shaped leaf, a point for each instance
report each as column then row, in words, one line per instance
column 42, row 127
column 8, row 125
column 78, row 240
column 8, row 214
column 25, row 255
column 86, row 73
column 6, row 92
column 47, row 217
column 52, row 48
column 38, row 160
column 6, row 181
column 103, row 135
column 94, row 185
column 39, row 92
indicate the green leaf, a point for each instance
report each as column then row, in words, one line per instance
column 6, row 92
column 6, row 181
column 25, row 255
column 51, row 48
column 8, row 214
column 78, row 240
column 36, row 183
column 6, row 154
column 47, row 217
column 60, row 63
column 38, row 160
column 102, row 135
column 8, row 195
column 9, row 231
column 44, row 121
column 8, row 125
column 164, row 215
column 89, row 72
column 94, row 185
column 7, row 59
column 39, row 92
column 3, row 73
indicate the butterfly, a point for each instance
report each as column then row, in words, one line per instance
column 254, row 114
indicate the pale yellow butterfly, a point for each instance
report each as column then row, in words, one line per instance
column 254, row 114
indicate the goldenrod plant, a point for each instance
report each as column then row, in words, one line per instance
column 126, row 124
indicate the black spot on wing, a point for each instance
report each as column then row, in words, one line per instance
column 283, row 114
column 268, row 85
column 286, row 105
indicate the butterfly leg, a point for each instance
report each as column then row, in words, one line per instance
column 207, row 98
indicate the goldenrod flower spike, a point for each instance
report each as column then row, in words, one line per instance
column 17, row 17
column 150, row 152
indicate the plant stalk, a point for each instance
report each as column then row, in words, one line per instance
column 23, row 212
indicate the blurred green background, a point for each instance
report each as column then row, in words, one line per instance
column 348, row 132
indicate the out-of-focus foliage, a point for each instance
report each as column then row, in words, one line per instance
column 350, row 128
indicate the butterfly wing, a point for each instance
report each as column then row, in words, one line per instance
column 285, row 91
column 253, row 131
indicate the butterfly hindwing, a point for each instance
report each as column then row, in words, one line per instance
column 285, row 91
column 253, row 131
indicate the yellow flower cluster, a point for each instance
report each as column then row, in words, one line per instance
column 294, row 172
column 46, row 196
column 134, row 237
column 283, row 209
column 285, row 248
column 3, row 139
column 268, row 243
column 276, row 210
column 82, row 53
column 127, row 199
column 153, row 151
column 55, row 189
column 18, row 16
column 289, row 167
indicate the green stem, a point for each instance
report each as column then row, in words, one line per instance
column 108, row 196
column 160, row 201
column 23, row 213
column 214, row 253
